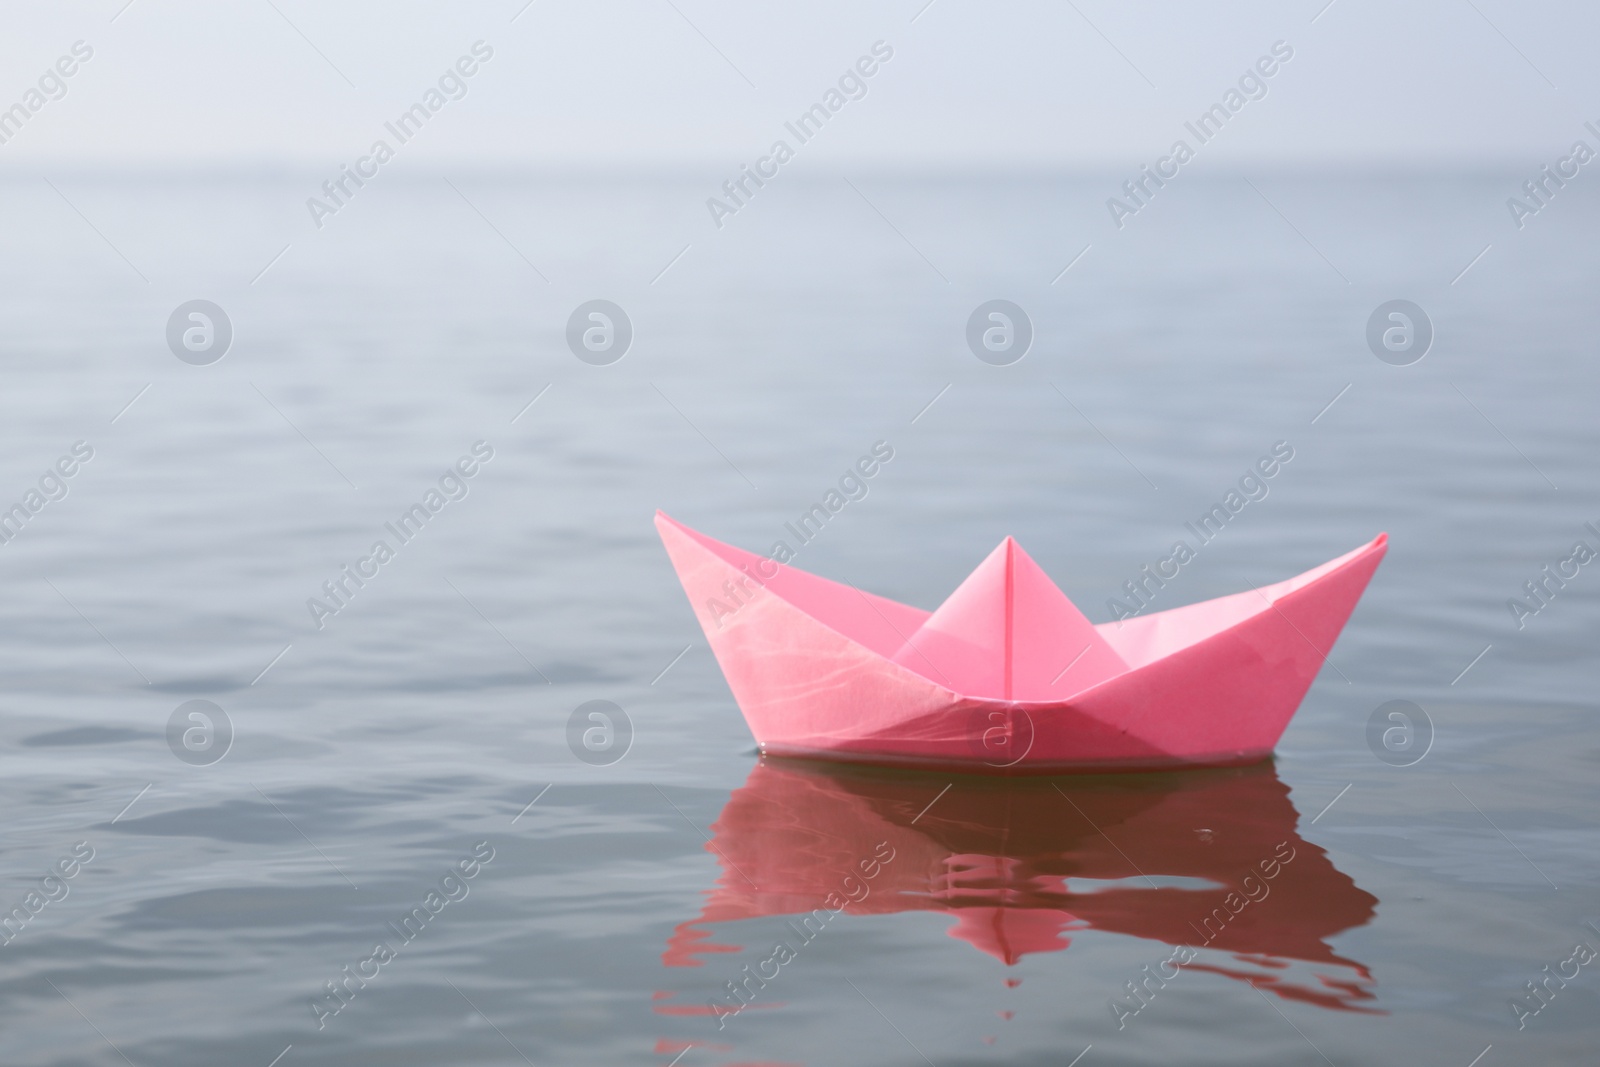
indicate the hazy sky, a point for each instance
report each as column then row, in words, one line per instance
column 688, row 82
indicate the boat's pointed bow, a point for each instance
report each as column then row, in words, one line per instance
column 1225, row 676
column 1355, row 566
column 1308, row 613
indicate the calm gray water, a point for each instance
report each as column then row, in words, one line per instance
column 408, row 735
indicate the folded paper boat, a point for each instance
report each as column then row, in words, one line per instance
column 1007, row 675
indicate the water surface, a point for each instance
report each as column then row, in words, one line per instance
column 374, row 754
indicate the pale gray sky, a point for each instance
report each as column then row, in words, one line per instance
column 647, row 83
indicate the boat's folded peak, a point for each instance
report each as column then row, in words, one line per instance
column 1008, row 632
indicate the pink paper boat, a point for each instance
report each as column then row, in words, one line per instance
column 1007, row 674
